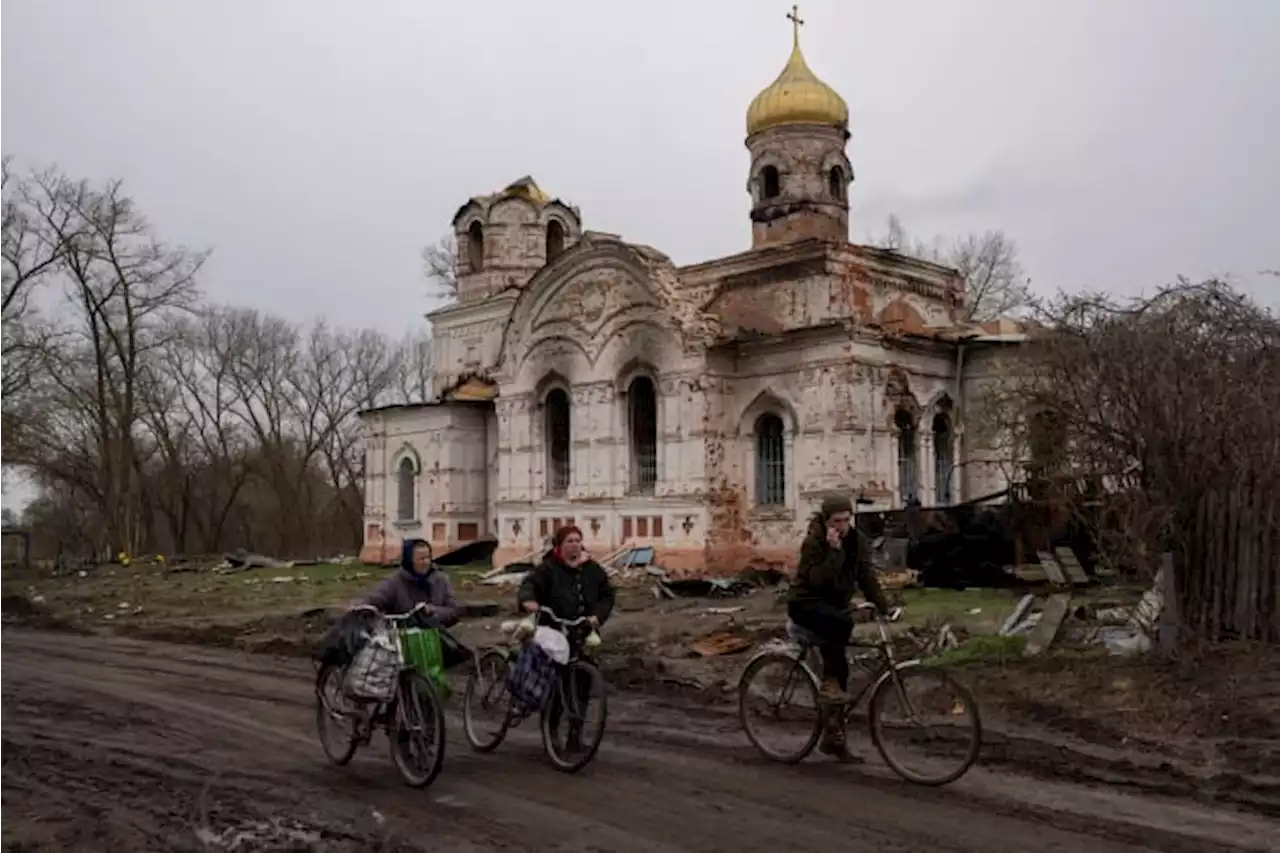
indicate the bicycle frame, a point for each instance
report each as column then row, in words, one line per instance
column 885, row 668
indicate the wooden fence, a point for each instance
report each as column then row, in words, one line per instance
column 1229, row 565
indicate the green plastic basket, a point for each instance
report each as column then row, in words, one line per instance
column 423, row 652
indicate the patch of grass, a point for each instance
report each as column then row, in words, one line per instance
column 925, row 606
column 115, row 595
column 988, row 649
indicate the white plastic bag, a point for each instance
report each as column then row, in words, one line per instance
column 372, row 675
column 553, row 643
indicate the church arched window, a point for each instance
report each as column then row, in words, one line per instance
column 908, row 469
column 642, row 411
column 943, row 462
column 555, row 239
column 770, row 185
column 771, row 463
column 835, row 183
column 406, row 490
column 556, row 412
column 475, row 247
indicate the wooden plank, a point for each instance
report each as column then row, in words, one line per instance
column 1170, row 623
column 1051, row 568
column 1030, row 573
column 1015, row 618
column 1042, row 635
column 1071, row 565
column 1055, row 612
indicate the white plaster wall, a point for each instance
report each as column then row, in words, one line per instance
column 840, row 435
column 448, row 445
column 467, row 338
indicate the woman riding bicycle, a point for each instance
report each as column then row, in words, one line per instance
column 835, row 561
column 417, row 581
column 570, row 584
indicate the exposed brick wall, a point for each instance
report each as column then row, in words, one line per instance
column 805, row 206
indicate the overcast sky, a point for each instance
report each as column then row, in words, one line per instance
column 315, row 146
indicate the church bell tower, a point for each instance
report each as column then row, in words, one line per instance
column 800, row 175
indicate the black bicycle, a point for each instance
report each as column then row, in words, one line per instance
column 489, row 711
column 944, row 752
column 413, row 717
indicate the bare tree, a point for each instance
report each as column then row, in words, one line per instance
column 995, row 281
column 413, row 368
column 121, row 288
column 1169, row 406
column 440, row 265
column 151, row 421
column 40, row 219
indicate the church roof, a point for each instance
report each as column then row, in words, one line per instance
column 524, row 188
column 797, row 96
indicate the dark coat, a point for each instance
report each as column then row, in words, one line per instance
column 832, row 575
column 571, row 593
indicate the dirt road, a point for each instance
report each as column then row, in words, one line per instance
column 111, row 744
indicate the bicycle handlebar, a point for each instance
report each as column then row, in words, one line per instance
column 567, row 623
column 892, row 616
column 420, row 607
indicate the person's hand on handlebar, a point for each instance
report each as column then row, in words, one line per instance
column 892, row 615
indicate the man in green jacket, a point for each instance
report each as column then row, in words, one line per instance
column 835, row 562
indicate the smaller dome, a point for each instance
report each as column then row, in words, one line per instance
column 797, row 97
column 526, row 188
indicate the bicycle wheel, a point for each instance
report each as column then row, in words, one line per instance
column 919, row 751
column 777, row 690
column 573, row 721
column 486, row 705
column 335, row 722
column 416, row 731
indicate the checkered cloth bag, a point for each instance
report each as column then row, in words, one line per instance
column 532, row 678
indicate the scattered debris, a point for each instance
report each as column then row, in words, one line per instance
column 723, row 611
column 1128, row 630
column 1016, row 617
column 505, row 579
column 1046, row 628
column 242, row 560
column 744, row 584
column 720, row 643
column 1071, row 565
column 898, row 578
column 260, row 835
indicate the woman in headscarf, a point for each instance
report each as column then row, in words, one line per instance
column 835, row 562
column 417, row 581
column 568, row 581
column 572, row 585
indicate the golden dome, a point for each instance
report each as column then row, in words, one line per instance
column 527, row 188
column 797, row 96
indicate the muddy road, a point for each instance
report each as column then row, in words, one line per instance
column 112, row 744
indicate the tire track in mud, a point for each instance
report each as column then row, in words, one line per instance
column 151, row 740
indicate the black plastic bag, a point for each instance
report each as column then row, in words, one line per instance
column 342, row 641
column 453, row 652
